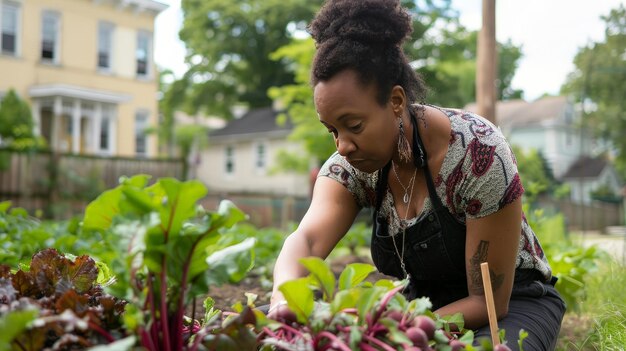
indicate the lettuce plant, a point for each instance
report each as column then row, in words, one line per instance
column 56, row 304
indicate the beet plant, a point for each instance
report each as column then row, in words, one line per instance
column 355, row 314
column 172, row 254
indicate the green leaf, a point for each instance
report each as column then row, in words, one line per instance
column 468, row 337
column 4, row 206
column 138, row 200
column 420, row 305
column 231, row 263
column 322, row 274
column 181, row 203
column 137, row 181
column 456, row 319
column 523, row 334
column 299, row 297
column 368, row 299
column 397, row 336
column 345, row 299
column 14, row 323
column 230, row 214
column 100, row 212
column 105, row 275
column 354, row 274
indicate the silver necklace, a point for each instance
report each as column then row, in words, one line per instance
column 406, row 198
column 406, row 215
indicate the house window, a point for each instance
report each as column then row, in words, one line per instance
column 10, row 14
column 141, row 139
column 105, row 134
column 50, row 36
column 229, row 157
column 143, row 53
column 260, row 156
column 105, row 45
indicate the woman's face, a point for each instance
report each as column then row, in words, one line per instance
column 365, row 132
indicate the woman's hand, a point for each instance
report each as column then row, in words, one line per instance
column 330, row 215
column 279, row 311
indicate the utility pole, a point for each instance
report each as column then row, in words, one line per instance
column 486, row 67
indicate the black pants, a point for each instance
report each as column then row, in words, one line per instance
column 535, row 307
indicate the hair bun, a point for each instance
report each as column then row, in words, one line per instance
column 371, row 22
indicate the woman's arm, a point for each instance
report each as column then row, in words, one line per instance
column 493, row 239
column 330, row 215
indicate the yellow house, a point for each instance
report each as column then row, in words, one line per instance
column 87, row 69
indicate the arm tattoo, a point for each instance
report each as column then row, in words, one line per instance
column 475, row 275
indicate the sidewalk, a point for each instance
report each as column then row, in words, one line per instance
column 614, row 244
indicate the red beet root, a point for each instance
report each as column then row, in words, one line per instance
column 426, row 324
column 395, row 315
column 456, row 345
column 417, row 336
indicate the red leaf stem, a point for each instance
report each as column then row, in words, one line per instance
column 269, row 332
column 378, row 343
column 101, row 331
column 163, row 313
column 336, row 342
column 146, row 340
column 363, row 346
column 291, row 330
column 385, row 301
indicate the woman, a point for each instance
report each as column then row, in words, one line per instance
column 443, row 183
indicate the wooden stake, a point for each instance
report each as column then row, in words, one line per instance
column 491, row 307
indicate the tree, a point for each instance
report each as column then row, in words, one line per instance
column 172, row 97
column 16, row 121
column 450, row 67
column 536, row 175
column 451, row 71
column 598, row 81
column 228, row 46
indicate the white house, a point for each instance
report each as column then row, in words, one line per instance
column 242, row 156
column 588, row 174
column 551, row 125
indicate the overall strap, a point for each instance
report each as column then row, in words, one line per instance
column 420, row 159
column 381, row 185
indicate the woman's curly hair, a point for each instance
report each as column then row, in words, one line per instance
column 366, row 36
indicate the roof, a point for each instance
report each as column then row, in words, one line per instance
column 586, row 167
column 254, row 122
column 519, row 113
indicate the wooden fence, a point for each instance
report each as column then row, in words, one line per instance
column 596, row 216
column 61, row 184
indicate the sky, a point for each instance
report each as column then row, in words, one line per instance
column 550, row 33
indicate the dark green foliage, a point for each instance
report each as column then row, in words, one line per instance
column 228, row 45
column 598, row 78
column 16, row 121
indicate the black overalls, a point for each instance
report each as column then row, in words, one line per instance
column 434, row 255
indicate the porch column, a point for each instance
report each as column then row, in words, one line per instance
column 113, row 121
column 76, row 127
column 95, row 131
column 36, row 117
column 57, row 110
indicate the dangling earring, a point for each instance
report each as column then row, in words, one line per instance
column 404, row 149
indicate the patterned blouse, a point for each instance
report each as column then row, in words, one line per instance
column 477, row 178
